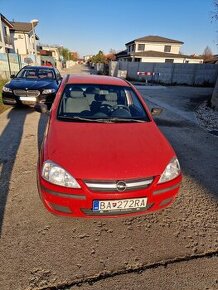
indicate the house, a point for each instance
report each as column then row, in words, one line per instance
column 50, row 53
column 24, row 37
column 6, row 43
column 87, row 57
column 156, row 49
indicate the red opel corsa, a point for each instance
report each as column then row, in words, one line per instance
column 103, row 154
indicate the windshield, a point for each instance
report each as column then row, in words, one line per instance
column 101, row 103
column 36, row 73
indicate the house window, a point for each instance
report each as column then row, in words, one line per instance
column 133, row 47
column 137, row 59
column 167, row 48
column 141, row 47
column 5, row 31
column 169, row 60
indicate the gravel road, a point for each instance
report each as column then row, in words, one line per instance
column 175, row 248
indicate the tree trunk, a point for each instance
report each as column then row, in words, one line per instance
column 214, row 99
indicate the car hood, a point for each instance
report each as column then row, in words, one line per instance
column 108, row 151
column 31, row 84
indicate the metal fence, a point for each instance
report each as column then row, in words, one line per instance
column 11, row 63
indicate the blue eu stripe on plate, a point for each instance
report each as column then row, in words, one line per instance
column 95, row 205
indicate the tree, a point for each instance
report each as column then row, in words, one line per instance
column 207, row 54
column 66, row 54
column 74, row 55
column 215, row 13
column 98, row 58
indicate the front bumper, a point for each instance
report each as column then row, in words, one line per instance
column 79, row 202
column 11, row 99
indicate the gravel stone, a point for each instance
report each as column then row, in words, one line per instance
column 207, row 117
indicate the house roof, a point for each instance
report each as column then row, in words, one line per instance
column 121, row 53
column 155, row 38
column 152, row 53
column 25, row 27
column 6, row 21
column 22, row 26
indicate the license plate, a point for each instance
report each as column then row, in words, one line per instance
column 119, row 205
column 30, row 99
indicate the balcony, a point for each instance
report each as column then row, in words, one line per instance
column 8, row 41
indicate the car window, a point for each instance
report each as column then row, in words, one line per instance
column 100, row 101
column 35, row 73
column 46, row 73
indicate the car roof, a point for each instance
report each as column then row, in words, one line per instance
column 96, row 79
column 38, row 67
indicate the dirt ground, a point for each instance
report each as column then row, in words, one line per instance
column 175, row 248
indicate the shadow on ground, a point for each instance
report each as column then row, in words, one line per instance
column 197, row 151
column 41, row 129
column 10, row 140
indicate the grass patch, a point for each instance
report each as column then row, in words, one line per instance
column 2, row 106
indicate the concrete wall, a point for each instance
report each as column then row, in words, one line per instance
column 170, row 73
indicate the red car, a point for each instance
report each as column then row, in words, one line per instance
column 103, row 154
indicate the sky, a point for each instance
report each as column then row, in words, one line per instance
column 87, row 26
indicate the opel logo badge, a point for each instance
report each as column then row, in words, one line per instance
column 121, row 186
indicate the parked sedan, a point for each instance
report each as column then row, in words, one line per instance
column 32, row 84
column 103, row 154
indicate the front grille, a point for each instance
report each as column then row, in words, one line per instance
column 28, row 93
column 118, row 185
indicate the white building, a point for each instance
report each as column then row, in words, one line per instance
column 87, row 57
column 156, row 49
column 24, row 37
column 55, row 53
column 6, row 43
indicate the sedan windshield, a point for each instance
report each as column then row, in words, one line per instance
column 35, row 73
column 100, row 103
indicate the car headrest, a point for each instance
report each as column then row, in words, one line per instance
column 111, row 97
column 76, row 93
column 92, row 90
column 99, row 98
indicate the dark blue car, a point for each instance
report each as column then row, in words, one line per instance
column 32, row 85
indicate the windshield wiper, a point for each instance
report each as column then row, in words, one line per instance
column 76, row 118
column 100, row 120
column 126, row 120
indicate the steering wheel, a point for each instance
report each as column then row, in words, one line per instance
column 117, row 107
column 106, row 108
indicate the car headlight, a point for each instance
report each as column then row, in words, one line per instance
column 57, row 175
column 171, row 171
column 6, row 90
column 48, row 91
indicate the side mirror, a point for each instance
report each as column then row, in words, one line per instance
column 41, row 108
column 156, row 111
column 12, row 76
column 59, row 80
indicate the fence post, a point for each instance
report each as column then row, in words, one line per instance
column 9, row 66
column 19, row 60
